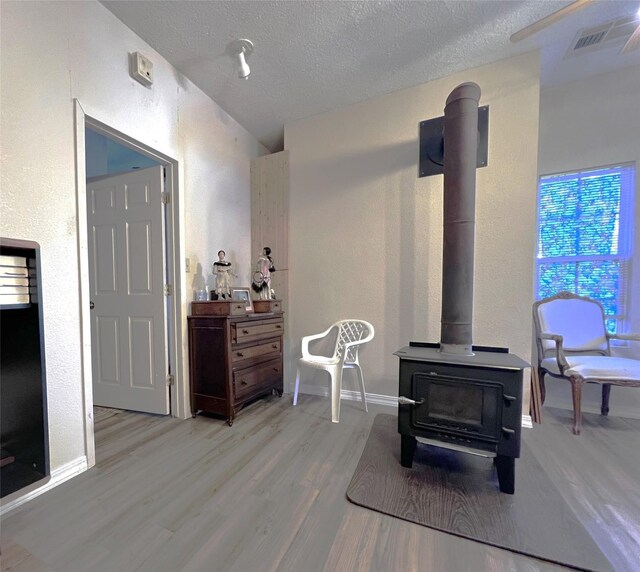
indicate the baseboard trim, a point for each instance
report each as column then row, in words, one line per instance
column 388, row 400
column 351, row 395
column 376, row 398
column 57, row 477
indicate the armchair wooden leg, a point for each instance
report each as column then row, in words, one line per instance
column 576, row 391
column 543, row 390
column 606, row 391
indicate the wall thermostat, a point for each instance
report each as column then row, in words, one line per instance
column 141, row 69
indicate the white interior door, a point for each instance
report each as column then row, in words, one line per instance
column 127, row 277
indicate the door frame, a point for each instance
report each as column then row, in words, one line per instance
column 178, row 392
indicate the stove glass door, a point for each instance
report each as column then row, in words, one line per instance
column 467, row 407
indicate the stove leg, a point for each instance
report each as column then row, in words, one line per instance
column 407, row 449
column 506, row 473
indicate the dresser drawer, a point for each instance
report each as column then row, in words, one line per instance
column 219, row 308
column 260, row 306
column 271, row 347
column 245, row 381
column 249, row 331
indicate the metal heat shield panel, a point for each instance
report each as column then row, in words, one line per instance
column 431, row 159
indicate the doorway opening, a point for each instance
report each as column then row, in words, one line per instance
column 131, row 315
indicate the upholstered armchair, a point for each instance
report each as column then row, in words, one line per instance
column 573, row 344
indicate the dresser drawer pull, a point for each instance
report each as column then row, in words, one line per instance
column 274, row 346
column 276, row 369
column 243, row 382
column 245, row 331
column 278, row 326
column 239, row 354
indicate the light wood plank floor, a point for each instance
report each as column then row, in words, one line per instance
column 269, row 494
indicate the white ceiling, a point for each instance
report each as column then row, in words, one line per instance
column 313, row 56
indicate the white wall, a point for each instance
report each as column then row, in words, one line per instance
column 53, row 52
column 366, row 232
column 592, row 123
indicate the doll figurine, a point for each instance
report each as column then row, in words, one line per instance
column 223, row 271
column 262, row 276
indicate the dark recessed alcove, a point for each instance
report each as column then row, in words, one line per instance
column 23, row 425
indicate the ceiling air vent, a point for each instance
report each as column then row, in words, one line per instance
column 601, row 37
column 589, row 40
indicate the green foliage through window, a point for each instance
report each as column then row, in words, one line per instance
column 584, row 236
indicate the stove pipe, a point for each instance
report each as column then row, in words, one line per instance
column 460, row 158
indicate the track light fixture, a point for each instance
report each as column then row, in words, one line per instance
column 241, row 50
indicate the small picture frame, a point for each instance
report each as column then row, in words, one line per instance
column 243, row 294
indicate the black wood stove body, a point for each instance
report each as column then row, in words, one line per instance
column 471, row 403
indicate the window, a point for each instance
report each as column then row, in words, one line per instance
column 584, row 237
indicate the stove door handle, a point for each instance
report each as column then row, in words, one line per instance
column 508, row 431
column 406, row 401
column 508, row 398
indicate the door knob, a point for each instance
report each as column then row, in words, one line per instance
column 91, row 305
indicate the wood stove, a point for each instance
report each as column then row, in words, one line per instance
column 454, row 394
column 468, row 403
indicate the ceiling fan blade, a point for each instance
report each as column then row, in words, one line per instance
column 548, row 20
column 633, row 43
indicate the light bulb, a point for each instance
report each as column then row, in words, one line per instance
column 243, row 70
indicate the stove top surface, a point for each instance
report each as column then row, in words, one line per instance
column 486, row 359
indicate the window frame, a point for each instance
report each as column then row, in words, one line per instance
column 625, row 236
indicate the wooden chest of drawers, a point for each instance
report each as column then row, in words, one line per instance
column 234, row 360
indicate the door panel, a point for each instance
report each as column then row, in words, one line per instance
column 141, row 354
column 126, row 258
column 103, row 199
column 139, row 262
column 108, row 342
column 136, row 195
column 104, row 247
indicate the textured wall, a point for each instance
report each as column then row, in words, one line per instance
column 594, row 123
column 53, row 52
column 366, row 233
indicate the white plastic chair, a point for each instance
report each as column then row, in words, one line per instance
column 351, row 335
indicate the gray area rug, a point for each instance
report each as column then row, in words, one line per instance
column 458, row 493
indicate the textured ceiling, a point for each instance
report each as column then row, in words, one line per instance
column 313, row 56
